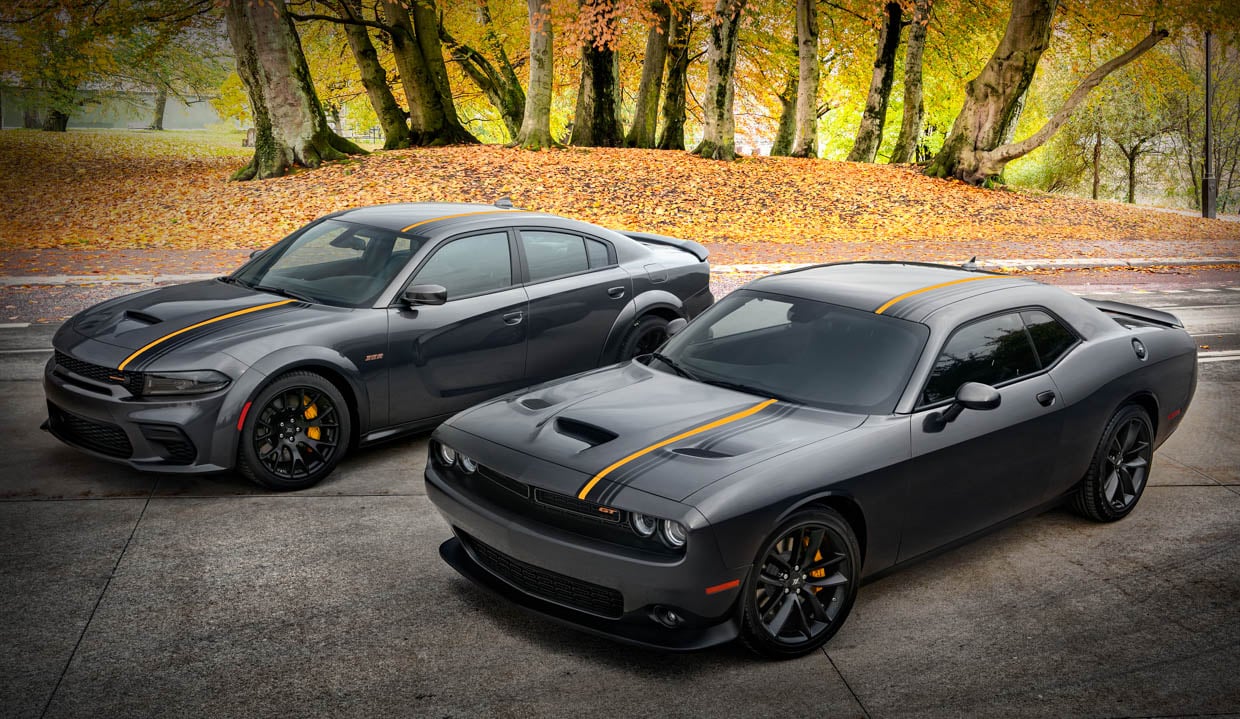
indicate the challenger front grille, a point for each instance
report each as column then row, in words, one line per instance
column 86, row 433
column 544, row 583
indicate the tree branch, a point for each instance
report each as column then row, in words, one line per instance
column 339, row 20
column 1011, row 151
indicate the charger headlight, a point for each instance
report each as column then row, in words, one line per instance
column 193, row 382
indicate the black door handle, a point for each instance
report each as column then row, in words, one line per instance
column 514, row 318
column 1046, row 399
column 615, row 292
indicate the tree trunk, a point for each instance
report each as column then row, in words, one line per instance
column 719, row 128
column 870, row 132
column 32, row 119
column 535, row 131
column 596, row 121
column 646, row 113
column 805, row 142
column 782, row 146
column 679, row 28
column 56, row 121
column 419, row 60
column 499, row 84
column 161, row 104
column 392, row 119
column 426, row 28
column 914, row 105
column 291, row 128
column 972, row 151
column 1097, row 162
column 1132, row 175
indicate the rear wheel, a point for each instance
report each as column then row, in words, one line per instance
column 802, row 585
column 645, row 336
column 1120, row 467
column 295, row 433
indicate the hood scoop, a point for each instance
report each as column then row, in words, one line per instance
column 701, row 453
column 534, row 403
column 590, row 434
column 142, row 317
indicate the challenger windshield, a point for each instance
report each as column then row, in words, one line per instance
column 331, row 262
column 799, row 350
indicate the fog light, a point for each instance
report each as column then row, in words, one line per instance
column 667, row 616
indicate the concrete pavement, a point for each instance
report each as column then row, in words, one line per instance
column 125, row 594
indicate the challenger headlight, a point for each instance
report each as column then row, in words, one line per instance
column 642, row 524
column 673, row 533
column 468, row 466
column 195, row 382
column 447, row 455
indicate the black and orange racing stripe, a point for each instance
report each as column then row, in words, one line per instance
column 196, row 325
column 898, row 298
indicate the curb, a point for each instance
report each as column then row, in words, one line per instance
column 1079, row 263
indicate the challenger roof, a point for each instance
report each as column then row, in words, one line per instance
column 407, row 216
column 906, row 290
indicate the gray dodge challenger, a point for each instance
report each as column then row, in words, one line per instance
column 361, row 326
column 808, row 432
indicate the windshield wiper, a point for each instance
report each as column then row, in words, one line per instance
column 285, row 293
column 747, row 389
column 675, row 367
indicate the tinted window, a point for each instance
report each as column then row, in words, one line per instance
column 1050, row 338
column 992, row 351
column 553, row 254
column 597, row 252
column 469, row 266
column 800, row 350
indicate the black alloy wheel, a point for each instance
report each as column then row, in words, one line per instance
column 295, row 433
column 646, row 335
column 802, row 586
column 1120, row 468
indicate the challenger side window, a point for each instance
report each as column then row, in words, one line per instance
column 991, row 351
column 1051, row 339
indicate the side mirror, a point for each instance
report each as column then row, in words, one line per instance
column 424, row 295
column 256, row 253
column 972, row 395
column 675, row 326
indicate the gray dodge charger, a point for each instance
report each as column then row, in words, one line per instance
column 809, row 431
column 361, row 326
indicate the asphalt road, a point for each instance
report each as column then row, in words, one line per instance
column 125, row 594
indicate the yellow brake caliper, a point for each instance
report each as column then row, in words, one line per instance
column 312, row 411
column 817, row 573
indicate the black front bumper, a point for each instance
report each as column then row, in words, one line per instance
column 637, row 630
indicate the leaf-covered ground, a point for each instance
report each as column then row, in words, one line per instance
column 112, row 201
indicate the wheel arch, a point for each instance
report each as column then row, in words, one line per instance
column 335, row 369
column 1146, row 401
column 653, row 302
column 845, row 505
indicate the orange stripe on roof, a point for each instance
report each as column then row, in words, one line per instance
column 449, row 217
column 886, row 305
column 689, row 433
column 170, row 335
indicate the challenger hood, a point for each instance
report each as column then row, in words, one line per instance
column 144, row 326
column 630, row 426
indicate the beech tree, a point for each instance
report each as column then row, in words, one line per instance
column 870, row 132
column 393, row 121
column 646, row 111
column 535, row 132
column 288, row 119
column 805, row 142
column 596, row 121
column 914, row 105
column 719, row 125
column 974, row 150
column 494, row 75
column 680, row 29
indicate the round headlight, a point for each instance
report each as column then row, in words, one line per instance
column 642, row 524
column 447, row 455
column 468, row 466
column 673, row 533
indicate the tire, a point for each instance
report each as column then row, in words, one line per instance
column 819, row 605
column 1119, row 469
column 646, row 335
column 296, row 431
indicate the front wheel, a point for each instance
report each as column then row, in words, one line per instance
column 295, row 432
column 802, row 585
column 1119, row 469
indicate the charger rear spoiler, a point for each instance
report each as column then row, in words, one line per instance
column 689, row 246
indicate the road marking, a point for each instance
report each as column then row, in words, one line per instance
column 1219, row 356
column 1213, row 334
column 22, row 352
column 1173, row 292
column 14, row 325
column 1218, row 306
column 1206, row 289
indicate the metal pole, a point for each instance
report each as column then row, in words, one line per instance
column 1208, row 182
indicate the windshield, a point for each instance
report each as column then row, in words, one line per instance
column 331, row 262
column 799, row 350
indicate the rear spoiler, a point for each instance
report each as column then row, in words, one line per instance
column 1158, row 317
column 689, row 246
